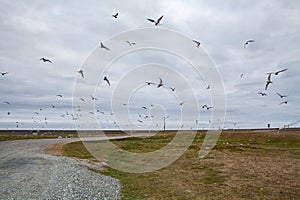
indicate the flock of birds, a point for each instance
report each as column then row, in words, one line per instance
column 159, row 84
column 269, row 81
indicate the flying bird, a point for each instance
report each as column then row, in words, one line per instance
column 197, row 43
column 208, row 107
column 3, row 73
column 155, row 22
column 262, row 94
column 281, row 96
column 93, row 98
column 173, row 89
column 115, row 15
column 160, row 83
column 149, row 83
column 45, row 60
column 208, row 87
column 82, row 99
column 284, row 102
column 144, row 107
column 81, row 72
column 247, row 42
column 130, row 43
column 104, row 47
column 59, row 95
column 180, row 104
column 283, row 70
column 7, row 102
column 106, row 79
column 241, row 76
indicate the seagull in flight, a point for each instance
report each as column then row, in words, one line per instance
column 281, row 96
column 149, row 83
column 3, row 73
column 81, row 72
column 106, row 79
column 173, row 89
column 104, row 47
column 241, row 76
column 7, row 102
column 115, row 15
column 180, row 104
column 283, row 70
column 130, row 43
column 45, row 60
column 160, row 83
column 247, row 42
column 93, row 98
column 208, row 107
column 82, row 99
column 59, row 95
column 284, row 102
column 262, row 94
column 208, row 87
column 155, row 22
column 197, row 43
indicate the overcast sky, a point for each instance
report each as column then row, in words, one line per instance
column 68, row 32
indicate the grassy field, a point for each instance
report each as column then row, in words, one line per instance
column 243, row 165
column 24, row 137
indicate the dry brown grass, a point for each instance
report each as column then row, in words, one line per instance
column 55, row 149
column 244, row 165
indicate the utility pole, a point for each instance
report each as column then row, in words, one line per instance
column 164, row 124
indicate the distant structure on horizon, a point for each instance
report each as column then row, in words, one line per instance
column 291, row 124
column 286, row 126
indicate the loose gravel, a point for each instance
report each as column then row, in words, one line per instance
column 28, row 173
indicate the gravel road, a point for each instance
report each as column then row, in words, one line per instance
column 28, row 173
